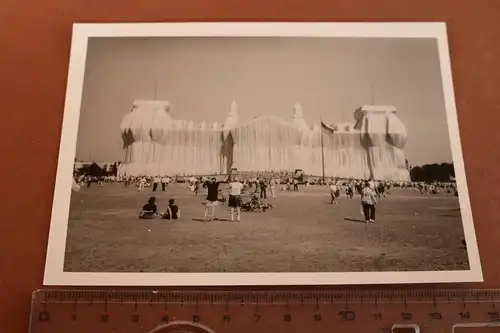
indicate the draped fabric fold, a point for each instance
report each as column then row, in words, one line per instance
column 383, row 136
column 156, row 144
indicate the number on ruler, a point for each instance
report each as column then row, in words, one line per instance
column 104, row 318
column 256, row 317
column 73, row 317
column 165, row 319
column 347, row 315
column 377, row 316
column 436, row 316
column 407, row 315
column 287, row 317
column 494, row 315
column 135, row 318
column 317, row 317
column 196, row 319
column 464, row 315
column 226, row 318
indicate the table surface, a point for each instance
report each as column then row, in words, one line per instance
column 36, row 36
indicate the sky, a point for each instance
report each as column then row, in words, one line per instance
column 201, row 76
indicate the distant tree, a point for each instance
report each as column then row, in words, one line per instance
column 82, row 170
column 432, row 172
column 96, row 171
column 416, row 174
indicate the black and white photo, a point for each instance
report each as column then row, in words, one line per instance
column 260, row 154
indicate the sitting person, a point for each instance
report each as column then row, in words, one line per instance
column 149, row 210
column 173, row 212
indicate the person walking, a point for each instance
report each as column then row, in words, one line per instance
column 333, row 192
column 368, row 202
column 142, row 184
column 164, row 181
column 156, row 181
column 272, row 187
column 263, row 186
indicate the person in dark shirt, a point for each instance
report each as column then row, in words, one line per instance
column 149, row 210
column 173, row 212
column 263, row 187
column 212, row 198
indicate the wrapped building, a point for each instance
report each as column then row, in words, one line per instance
column 154, row 143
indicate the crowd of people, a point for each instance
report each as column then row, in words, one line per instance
column 261, row 185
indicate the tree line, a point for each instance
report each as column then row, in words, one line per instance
column 426, row 173
column 432, row 172
column 95, row 170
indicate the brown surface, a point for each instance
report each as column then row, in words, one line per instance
column 35, row 37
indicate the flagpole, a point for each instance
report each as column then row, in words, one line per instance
column 322, row 150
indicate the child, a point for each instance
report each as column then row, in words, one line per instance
column 149, row 210
column 173, row 212
column 196, row 187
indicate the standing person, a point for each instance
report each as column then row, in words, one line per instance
column 234, row 202
column 156, row 181
column 295, row 185
column 350, row 189
column 333, row 192
column 272, row 187
column 196, row 187
column 164, row 181
column 142, row 184
column 88, row 180
column 212, row 198
column 368, row 201
column 263, row 186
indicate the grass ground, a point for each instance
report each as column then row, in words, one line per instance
column 303, row 233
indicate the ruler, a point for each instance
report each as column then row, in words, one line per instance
column 124, row 311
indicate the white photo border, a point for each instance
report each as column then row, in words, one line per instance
column 54, row 272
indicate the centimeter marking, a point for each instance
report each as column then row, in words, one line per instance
column 268, row 297
column 441, row 307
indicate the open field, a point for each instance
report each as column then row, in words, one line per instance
column 303, row 233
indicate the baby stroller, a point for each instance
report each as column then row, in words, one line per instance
column 255, row 204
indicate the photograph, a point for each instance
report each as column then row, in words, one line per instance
column 260, row 154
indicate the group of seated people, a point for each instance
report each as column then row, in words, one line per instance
column 150, row 210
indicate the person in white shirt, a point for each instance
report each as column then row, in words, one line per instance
column 156, row 181
column 164, row 182
column 142, row 184
column 234, row 202
column 333, row 192
column 272, row 186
